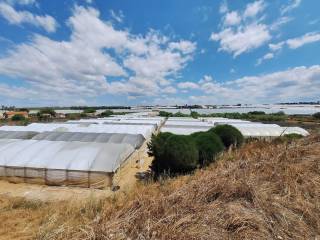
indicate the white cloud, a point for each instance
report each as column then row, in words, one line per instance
column 243, row 39
column 170, row 90
column 292, row 5
column 297, row 42
column 265, row 57
column 19, row 17
column 241, row 33
column 117, row 16
column 232, row 18
column 305, row 39
column 276, row 46
column 254, row 8
column 188, row 85
column 21, row 2
column 186, row 47
column 294, row 84
column 223, row 7
column 84, row 65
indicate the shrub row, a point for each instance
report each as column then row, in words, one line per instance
column 174, row 154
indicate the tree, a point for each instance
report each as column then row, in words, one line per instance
column 18, row 117
column 47, row 111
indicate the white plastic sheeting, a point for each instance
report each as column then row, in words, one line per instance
column 17, row 134
column 266, row 130
column 145, row 130
column 58, row 162
column 183, row 131
column 247, row 128
column 135, row 140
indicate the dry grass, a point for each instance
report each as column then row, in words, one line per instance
column 262, row 191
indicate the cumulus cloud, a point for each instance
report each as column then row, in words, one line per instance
column 254, row 8
column 98, row 59
column 232, row 18
column 187, row 85
column 242, row 39
column 19, row 17
column 242, row 32
column 290, row 85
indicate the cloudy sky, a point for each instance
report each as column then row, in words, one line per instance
column 123, row 52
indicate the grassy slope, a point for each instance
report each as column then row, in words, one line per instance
column 262, row 191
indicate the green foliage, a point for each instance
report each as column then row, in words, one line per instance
column 173, row 154
column 180, row 114
column 165, row 114
column 89, row 110
column 106, row 113
column 229, row 135
column 47, row 111
column 257, row 113
column 316, row 115
column 18, row 117
column 194, row 114
column 209, row 146
column 288, row 138
column 156, row 145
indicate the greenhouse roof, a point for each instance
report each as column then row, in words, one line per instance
column 135, row 140
column 17, row 134
column 73, row 156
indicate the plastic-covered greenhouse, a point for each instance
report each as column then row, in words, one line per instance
column 135, row 140
column 88, row 164
column 247, row 128
column 145, row 130
column 17, row 134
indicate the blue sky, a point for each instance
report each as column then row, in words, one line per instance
column 121, row 52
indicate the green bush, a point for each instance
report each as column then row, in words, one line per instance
column 47, row 111
column 106, row 113
column 229, row 135
column 18, row 117
column 287, row 138
column 89, row 110
column 209, row 145
column 316, row 115
column 156, row 145
column 257, row 113
column 165, row 114
column 174, row 154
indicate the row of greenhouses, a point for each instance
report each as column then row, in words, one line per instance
column 186, row 126
column 77, row 153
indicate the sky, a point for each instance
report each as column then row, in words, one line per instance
column 142, row 52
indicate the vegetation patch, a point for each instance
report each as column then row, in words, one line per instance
column 229, row 135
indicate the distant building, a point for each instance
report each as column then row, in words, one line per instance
column 60, row 115
column 10, row 114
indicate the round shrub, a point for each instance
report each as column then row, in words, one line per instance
column 229, row 135
column 178, row 154
column 316, row 115
column 156, row 145
column 209, row 145
column 18, row 117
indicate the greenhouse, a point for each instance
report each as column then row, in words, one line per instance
column 17, row 134
column 60, row 162
column 135, row 140
column 145, row 130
